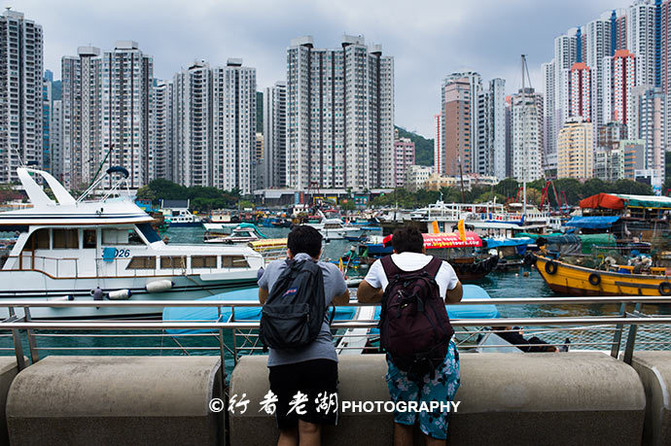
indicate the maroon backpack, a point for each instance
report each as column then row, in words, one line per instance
column 415, row 330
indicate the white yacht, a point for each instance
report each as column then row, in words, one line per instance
column 69, row 249
column 333, row 228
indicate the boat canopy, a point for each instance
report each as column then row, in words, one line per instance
column 619, row 201
column 518, row 241
column 592, row 222
column 447, row 240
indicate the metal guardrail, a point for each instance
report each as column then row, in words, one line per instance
column 245, row 330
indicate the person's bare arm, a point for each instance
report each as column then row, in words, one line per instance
column 454, row 295
column 366, row 294
column 343, row 299
column 263, row 295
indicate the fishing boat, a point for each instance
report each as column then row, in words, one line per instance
column 616, row 280
column 69, row 249
column 333, row 228
column 458, row 252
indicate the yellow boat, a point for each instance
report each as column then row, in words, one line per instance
column 568, row 279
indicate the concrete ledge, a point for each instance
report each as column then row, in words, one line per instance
column 361, row 379
column 506, row 399
column 547, row 398
column 654, row 369
column 78, row 400
column 8, row 371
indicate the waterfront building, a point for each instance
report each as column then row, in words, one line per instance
column 581, row 92
column 632, row 158
column 457, row 121
column 437, row 182
column 21, row 83
column 575, row 150
column 160, row 131
column 56, row 139
column 416, row 177
column 214, row 126
column 647, row 124
column 491, row 147
column 340, row 115
column 404, row 157
column 619, row 79
column 438, row 156
column 641, row 36
column 527, row 135
column 275, row 136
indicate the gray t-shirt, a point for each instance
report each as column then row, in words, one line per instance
column 322, row 347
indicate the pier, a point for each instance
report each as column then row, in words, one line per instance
column 617, row 395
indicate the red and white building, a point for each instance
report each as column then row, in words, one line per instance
column 619, row 79
column 581, row 91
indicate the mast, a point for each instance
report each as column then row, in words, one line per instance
column 524, row 153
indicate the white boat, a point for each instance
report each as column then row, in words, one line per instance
column 70, row 249
column 182, row 218
column 333, row 228
column 244, row 233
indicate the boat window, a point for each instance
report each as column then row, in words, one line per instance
column 134, row 238
column 90, row 239
column 234, row 262
column 66, row 238
column 142, row 262
column 149, row 233
column 121, row 237
column 203, row 261
column 172, row 262
column 38, row 240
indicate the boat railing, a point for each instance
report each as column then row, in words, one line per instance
column 623, row 329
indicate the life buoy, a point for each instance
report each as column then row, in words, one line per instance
column 551, row 267
column 664, row 289
column 594, row 279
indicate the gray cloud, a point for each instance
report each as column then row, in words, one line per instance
column 428, row 39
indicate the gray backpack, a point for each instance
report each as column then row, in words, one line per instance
column 292, row 316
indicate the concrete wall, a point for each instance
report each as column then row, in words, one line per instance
column 103, row 400
column 654, row 369
column 506, row 399
column 8, row 371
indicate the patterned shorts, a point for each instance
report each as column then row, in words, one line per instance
column 442, row 388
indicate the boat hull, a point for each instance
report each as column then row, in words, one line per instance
column 574, row 280
column 38, row 286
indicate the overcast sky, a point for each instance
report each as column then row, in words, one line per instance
column 428, row 39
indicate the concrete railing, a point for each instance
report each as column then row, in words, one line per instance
column 105, row 400
column 515, row 399
column 654, row 369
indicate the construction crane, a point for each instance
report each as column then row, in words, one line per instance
column 545, row 196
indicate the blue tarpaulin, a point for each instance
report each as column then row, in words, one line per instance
column 592, row 222
column 521, row 241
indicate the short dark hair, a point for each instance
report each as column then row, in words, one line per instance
column 407, row 239
column 305, row 239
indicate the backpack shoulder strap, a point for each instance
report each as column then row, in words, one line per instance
column 433, row 267
column 390, row 268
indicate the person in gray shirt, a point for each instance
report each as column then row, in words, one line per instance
column 310, row 371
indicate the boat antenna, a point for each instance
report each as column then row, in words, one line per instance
column 95, row 177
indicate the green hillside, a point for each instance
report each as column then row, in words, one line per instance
column 423, row 147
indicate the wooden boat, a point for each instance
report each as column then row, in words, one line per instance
column 568, row 279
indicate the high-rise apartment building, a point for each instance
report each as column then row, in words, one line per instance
column 340, row 115
column 160, row 131
column 549, row 146
column 404, row 157
column 647, row 124
column 458, row 137
column 491, row 144
column 56, row 139
column 438, row 156
column 275, row 136
column 214, row 126
column 47, row 99
column 619, row 79
column 527, row 135
column 21, row 83
column 575, row 150
column 641, row 39
column 598, row 43
column 581, row 91
column 106, row 113
column 457, row 89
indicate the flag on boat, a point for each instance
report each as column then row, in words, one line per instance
column 462, row 230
